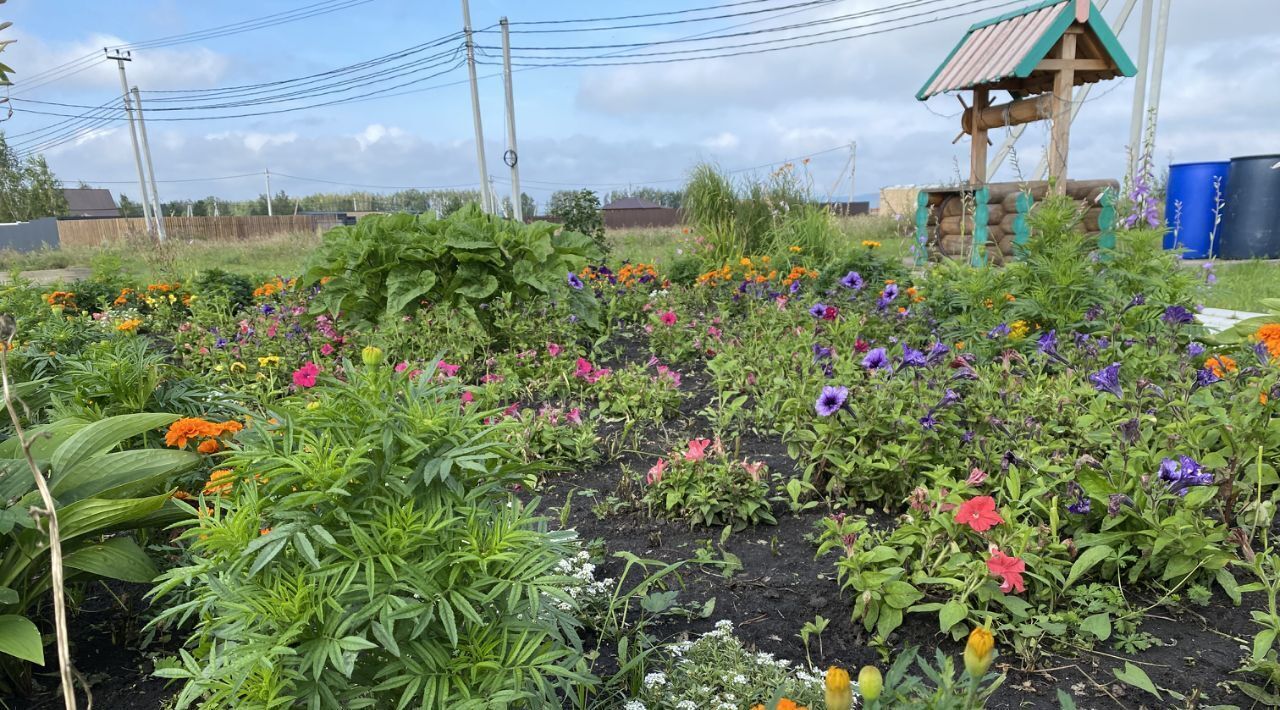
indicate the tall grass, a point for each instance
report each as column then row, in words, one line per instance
column 1242, row 286
column 711, row 206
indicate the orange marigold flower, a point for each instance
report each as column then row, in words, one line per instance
column 129, row 326
column 1221, row 365
column 219, row 482
column 1269, row 334
column 209, row 446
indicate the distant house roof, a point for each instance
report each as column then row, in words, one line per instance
column 1009, row 48
column 90, row 202
column 632, row 203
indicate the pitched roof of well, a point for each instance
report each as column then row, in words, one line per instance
column 90, row 202
column 632, row 203
column 1008, row 48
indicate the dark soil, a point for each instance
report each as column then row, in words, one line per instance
column 778, row 588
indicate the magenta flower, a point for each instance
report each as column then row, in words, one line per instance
column 446, row 369
column 668, row 318
column 553, row 350
column 305, row 376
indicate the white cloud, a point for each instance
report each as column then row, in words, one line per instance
column 181, row 67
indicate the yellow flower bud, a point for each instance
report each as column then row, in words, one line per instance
column 371, row 355
column 839, row 696
column 979, row 652
column 870, row 683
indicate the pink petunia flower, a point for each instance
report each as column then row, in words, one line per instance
column 446, row 369
column 574, row 416
column 326, row 349
column 305, row 376
column 668, row 318
column 553, row 350
column 697, row 449
column 655, row 472
column 1008, row 569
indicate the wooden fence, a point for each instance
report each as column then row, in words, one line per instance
column 98, row 232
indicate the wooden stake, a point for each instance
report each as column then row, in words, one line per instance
column 1060, row 137
column 978, row 154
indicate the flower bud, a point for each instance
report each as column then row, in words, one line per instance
column 979, row 652
column 371, row 355
column 870, row 682
column 839, row 695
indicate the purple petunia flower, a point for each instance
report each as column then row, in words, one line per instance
column 831, row 400
column 999, row 331
column 1137, row 300
column 876, row 359
column 1108, row 379
column 1204, row 378
column 913, row 357
column 928, row 422
column 1262, row 353
column 574, row 281
column 795, row 287
column 821, row 353
column 1094, row 313
column 1195, row 349
column 937, row 351
column 1177, row 315
column 1114, row 501
column 1183, row 474
column 817, row 310
column 220, row 343
column 889, row 293
column 852, row 280
column 949, row 397
column 967, row 437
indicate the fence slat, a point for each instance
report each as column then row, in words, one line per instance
column 100, row 232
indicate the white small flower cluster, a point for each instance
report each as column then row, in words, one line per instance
column 634, row 705
column 655, row 680
column 585, row 586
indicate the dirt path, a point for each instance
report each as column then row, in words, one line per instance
column 43, row 277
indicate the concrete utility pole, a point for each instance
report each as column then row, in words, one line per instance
column 511, row 157
column 853, row 171
column 269, row 214
column 133, row 134
column 158, row 210
column 1140, row 87
column 485, row 195
column 1157, row 63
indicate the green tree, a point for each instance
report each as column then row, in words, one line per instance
column 579, row 211
column 28, row 188
column 129, row 208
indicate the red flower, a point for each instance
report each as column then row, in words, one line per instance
column 861, row 345
column 1008, row 569
column 979, row 513
column 830, row 313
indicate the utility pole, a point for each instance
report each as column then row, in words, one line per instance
column 269, row 213
column 1140, row 87
column 133, row 134
column 1157, row 62
column 158, row 211
column 511, row 157
column 853, row 171
column 485, row 198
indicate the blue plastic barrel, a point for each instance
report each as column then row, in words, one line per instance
column 1190, row 204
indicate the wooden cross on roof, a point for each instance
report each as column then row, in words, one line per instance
column 1038, row 54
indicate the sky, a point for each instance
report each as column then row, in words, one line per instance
column 604, row 127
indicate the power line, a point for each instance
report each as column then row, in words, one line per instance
column 663, row 23
column 291, row 177
column 640, row 16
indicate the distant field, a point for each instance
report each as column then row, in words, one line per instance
column 1242, row 285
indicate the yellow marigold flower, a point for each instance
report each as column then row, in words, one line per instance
column 765, row 259
column 745, row 261
column 839, row 695
column 794, row 249
column 238, row 367
column 1018, row 330
column 870, row 244
column 129, row 326
column 268, row 361
column 979, row 652
column 870, row 682
column 1009, row 297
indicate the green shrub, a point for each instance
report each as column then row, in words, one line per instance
column 370, row 554
column 387, row 265
column 216, row 283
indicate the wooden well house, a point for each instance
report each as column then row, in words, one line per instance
column 1038, row 55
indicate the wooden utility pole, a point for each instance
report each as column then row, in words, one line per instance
column 978, row 156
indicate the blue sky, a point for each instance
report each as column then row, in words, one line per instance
column 601, row 127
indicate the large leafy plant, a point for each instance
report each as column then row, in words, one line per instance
column 100, row 489
column 368, row 552
column 388, row 265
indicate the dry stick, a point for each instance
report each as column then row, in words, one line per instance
column 49, row 511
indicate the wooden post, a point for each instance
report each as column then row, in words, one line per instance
column 922, row 227
column 978, row 154
column 1060, row 137
column 980, row 216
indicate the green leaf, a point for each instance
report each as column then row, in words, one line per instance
column 20, row 638
column 1086, row 561
column 9, row 596
column 1268, row 699
column 93, row 515
column 1262, row 643
column 122, row 473
column 117, row 558
column 952, row 613
column 405, row 284
column 482, row 286
column 1064, row 701
column 1136, row 677
column 1099, row 625
column 900, row 595
column 1227, row 581
column 101, row 436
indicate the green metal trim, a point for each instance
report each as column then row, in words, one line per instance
column 921, row 95
column 980, row 216
column 1110, row 42
column 1022, row 223
column 1107, row 224
column 922, row 227
column 1014, row 13
column 1041, row 48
